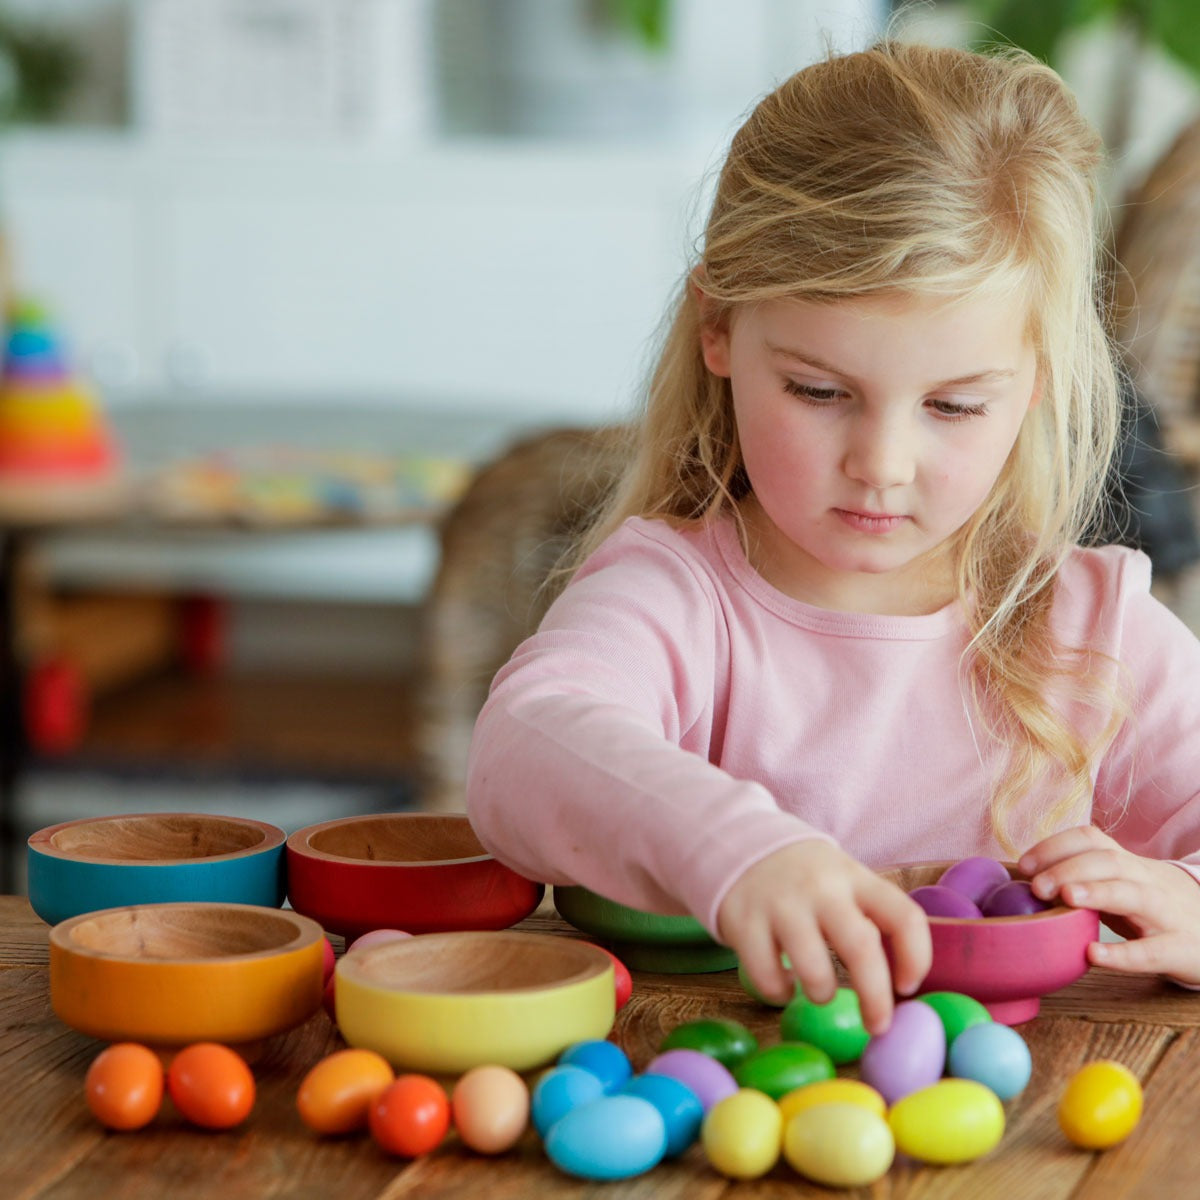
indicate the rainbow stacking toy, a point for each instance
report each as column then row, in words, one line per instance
column 51, row 426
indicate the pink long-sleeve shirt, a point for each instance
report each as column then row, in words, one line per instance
column 676, row 719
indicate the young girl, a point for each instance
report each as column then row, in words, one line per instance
column 837, row 616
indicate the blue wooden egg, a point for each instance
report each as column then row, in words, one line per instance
column 615, row 1137
column 678, row 1105
column 994, row 1055
column 606, row 1060
column 560, row 1090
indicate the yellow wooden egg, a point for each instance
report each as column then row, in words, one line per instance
column 951, row 1121
column 832, row 1091
column 1101, row 1105
column 840, row 1145
column 742, row 1134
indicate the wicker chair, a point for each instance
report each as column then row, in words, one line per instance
column 499, row 547
column 1156, row 314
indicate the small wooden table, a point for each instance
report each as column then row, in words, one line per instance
column 50, row 1146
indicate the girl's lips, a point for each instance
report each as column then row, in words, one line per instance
column 869, row 523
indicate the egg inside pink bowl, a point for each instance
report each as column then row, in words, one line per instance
column 1006, row 963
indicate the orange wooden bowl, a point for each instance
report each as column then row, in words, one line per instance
column 420, row 872
column 1006, row 963
column 170, row 974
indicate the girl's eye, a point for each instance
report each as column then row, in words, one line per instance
column 953, row 411
column 806, row 391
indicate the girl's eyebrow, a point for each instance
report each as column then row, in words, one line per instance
column 991, row 375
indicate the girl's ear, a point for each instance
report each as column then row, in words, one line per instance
column 714, row 330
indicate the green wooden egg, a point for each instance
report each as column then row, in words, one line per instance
column 729, row 1042
column 958, row 1012
column 836, row 1027
column 782, row 1068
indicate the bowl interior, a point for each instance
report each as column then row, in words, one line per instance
column 398, row 838
column 183, row 931
column 156, row 837
column 475, row 963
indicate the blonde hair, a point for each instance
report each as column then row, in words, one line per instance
column 907, row 169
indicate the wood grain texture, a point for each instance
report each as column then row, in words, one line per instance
column 51, row 1148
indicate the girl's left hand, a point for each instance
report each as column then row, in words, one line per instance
column 1158, row 903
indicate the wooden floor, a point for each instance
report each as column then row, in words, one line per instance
column 308, row 724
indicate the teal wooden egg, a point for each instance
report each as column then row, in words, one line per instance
column 729, row 1042
column 782, row 1068
column 836, row 1027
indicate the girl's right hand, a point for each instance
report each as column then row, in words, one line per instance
column 810, row 897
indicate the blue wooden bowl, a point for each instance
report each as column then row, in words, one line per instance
column 152, row 858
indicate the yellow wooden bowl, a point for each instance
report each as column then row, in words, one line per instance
column 170, row 974
column 447, row 1002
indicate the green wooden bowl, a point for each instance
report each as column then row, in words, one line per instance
column 645, row 941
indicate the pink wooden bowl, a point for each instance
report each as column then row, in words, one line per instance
column 420, row 872
column 1006, row 963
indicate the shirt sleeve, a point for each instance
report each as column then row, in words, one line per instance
column 1148, row 785
column 590, row 760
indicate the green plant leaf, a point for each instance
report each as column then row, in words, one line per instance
column 1037, row 25
column 1175, row 26
column 647, row 20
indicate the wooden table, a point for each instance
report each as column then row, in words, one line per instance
column 51, row 1147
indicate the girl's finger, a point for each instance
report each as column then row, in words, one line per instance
column 1174, row 954
column 809, row 955
column 1090, row 867
column 1063, row 845
column 759, row 955
column 1120, row 897
column 906, row 926
column 857, row 942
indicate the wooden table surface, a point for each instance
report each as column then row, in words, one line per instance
column 50, row 1146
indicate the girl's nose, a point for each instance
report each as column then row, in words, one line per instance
column 880, row 454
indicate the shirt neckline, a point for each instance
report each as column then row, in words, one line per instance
column 923, row 627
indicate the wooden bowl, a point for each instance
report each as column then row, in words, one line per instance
column 448, row 1002
column 170, row 974
column 646, row 941
column 1006, row 963
column 144, row 858
column 420, row 872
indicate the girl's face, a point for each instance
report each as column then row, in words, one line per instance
column 871, row 431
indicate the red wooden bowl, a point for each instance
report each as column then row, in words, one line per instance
column 1006, row 963
column 420, row 872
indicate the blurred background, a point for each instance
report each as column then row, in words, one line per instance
column 308, row 263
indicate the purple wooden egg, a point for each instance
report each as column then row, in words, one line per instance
column 910, row 1056
column 940, row 901
column 1013, row 899
column 709, row 1079
column 975, row 877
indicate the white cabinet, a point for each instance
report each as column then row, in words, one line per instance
column 471, row 276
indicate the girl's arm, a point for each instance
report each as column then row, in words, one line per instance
column 590, row 765
column 590, row 761
column 1139, row 860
